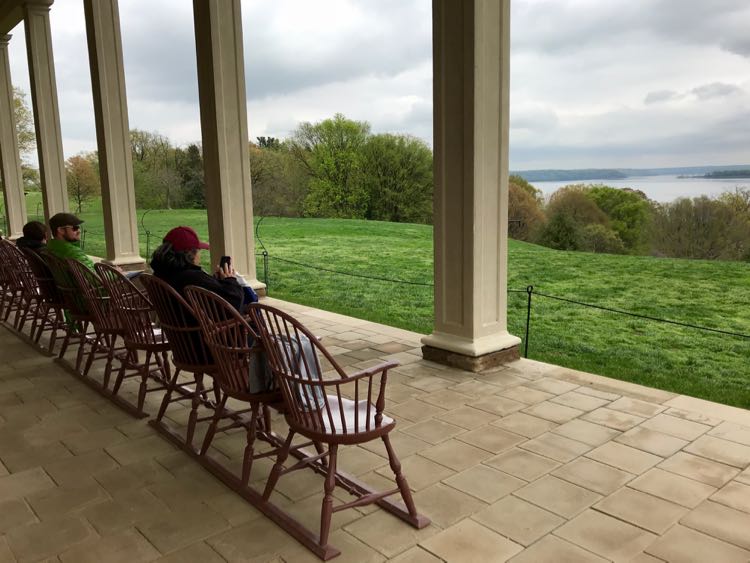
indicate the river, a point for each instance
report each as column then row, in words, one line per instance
column 659, row 188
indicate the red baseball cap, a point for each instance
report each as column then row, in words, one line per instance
column 184, row 238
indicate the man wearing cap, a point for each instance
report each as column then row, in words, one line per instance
column 66, row 239
column 177, row 262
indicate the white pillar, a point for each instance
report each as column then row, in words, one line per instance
column 471, row 42
column 10, row 160
column 223, row 107
column 44, row 101
column 112, row 132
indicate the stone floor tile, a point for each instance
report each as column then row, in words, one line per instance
column 139, row 474
column 470, row 542
column 175, row 530
column 475, row 388
column 23, row 483
column 592, row 475
column 497, row 405
column 358, row 461
column 259, row 540
column 387, row 534
column 526, row 394
column 491, row 438
column 651, row 441
column 552, row 385
column 432, row 383
column 558, row 496
column 732, row 432
column 674, row 426
column 672, row 487
column 399, row 393
column 693, row 416
column 199, row 551
column 456, row 455
column 721, row 522
column 97, row 440
column 48, row 538
column 518, row 520
column 699, row 468
column 61, row 501
column 445, row 505
column 744, row 477
column 613, row 419
column 419, row 471
column 403, row 444
column 416, row 555
column 580, row 401
column 307, row 511
column 606, row 536
column 723, row 451
column 139, row 449
column 26, row 457
column 553, row 412
column 624, row 457
column 684, row 545
column 447, row 399
column 525, row 424
column 414, row 411
column 643, row 510
column 5, row 553
column 78, row 470
column 126, row 546
column 586, row 432
column 634, row 406
column 352, row 551
column 484, row 483
column 433, row 431
column 735, row 495
column 556, row 447
column 502, row 378
column 129, row 508
column 598, row 393
column 467, row 417
column 522, row 464
column 14, row 513
column 551, row 549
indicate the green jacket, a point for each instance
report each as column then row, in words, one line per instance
column 64, row 249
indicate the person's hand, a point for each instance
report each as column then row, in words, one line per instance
column 226, row 272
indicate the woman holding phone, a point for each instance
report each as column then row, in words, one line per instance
column 177, row 262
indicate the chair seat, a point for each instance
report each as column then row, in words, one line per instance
column 349, row 408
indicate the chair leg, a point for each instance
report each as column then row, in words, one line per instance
column 214, row 423
column 326, row 511
column 403, row 486
column 144, row 381
column 81, row 346
column 167, row 396
column 193, row 418
column 247, row 460
column 90, row 360
column 111, row 340
column 124, row 361
column 273, row 478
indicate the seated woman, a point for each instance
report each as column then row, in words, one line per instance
column 177, row 262
column 34, row 236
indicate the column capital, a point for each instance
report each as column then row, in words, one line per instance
column 38, row 4
column 4, row 40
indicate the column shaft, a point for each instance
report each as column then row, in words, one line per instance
column 223, row 107
column 10, row 161
column 112, row 131
column 471, row 41
column 44, row 101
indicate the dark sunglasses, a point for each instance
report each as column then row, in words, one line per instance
column 74, row 227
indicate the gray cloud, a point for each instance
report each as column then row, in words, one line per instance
column 661, row 96
column 715, row 90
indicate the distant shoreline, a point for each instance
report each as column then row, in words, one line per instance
column 739, row 171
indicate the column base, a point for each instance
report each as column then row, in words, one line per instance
column 476, row 364
column 130, row 264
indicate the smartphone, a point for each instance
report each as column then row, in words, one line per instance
column 225, row 261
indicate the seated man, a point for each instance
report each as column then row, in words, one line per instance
column 34, row 236
column 66, row 239
column 177, row 262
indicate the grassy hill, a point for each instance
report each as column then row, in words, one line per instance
column 706, row 293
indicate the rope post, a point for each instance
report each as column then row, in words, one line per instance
column 83, row 240
column 148, row 243
column 265, row 269
column 529, row 292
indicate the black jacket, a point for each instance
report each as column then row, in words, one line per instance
column 30, row 243
column 180, row 278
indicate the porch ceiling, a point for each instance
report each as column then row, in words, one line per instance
column 11, row 14
column 532, row 461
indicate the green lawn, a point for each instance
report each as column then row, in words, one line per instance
column 706, row 293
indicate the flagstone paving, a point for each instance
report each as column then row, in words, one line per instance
column 531, row 462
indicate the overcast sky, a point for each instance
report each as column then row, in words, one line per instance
column 622, row 83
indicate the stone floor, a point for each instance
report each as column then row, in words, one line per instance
column 531, row 462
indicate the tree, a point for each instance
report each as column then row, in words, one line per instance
column 330, row 152
column 525, row 216
column 191, row 172
column 522, row 183
column 629, row 214
column 82, row 179
column 598, row 238
column 279, row 181
column 396, row 174
column 24, row 123
column 271, row 143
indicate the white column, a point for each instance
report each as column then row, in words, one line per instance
column 44, row 102
column 112, row 132
column 10, row 160
column 223, row 107
column 471, row 42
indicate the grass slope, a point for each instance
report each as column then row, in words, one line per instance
column 683, row 360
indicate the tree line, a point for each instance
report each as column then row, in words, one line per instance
column 599, row 218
